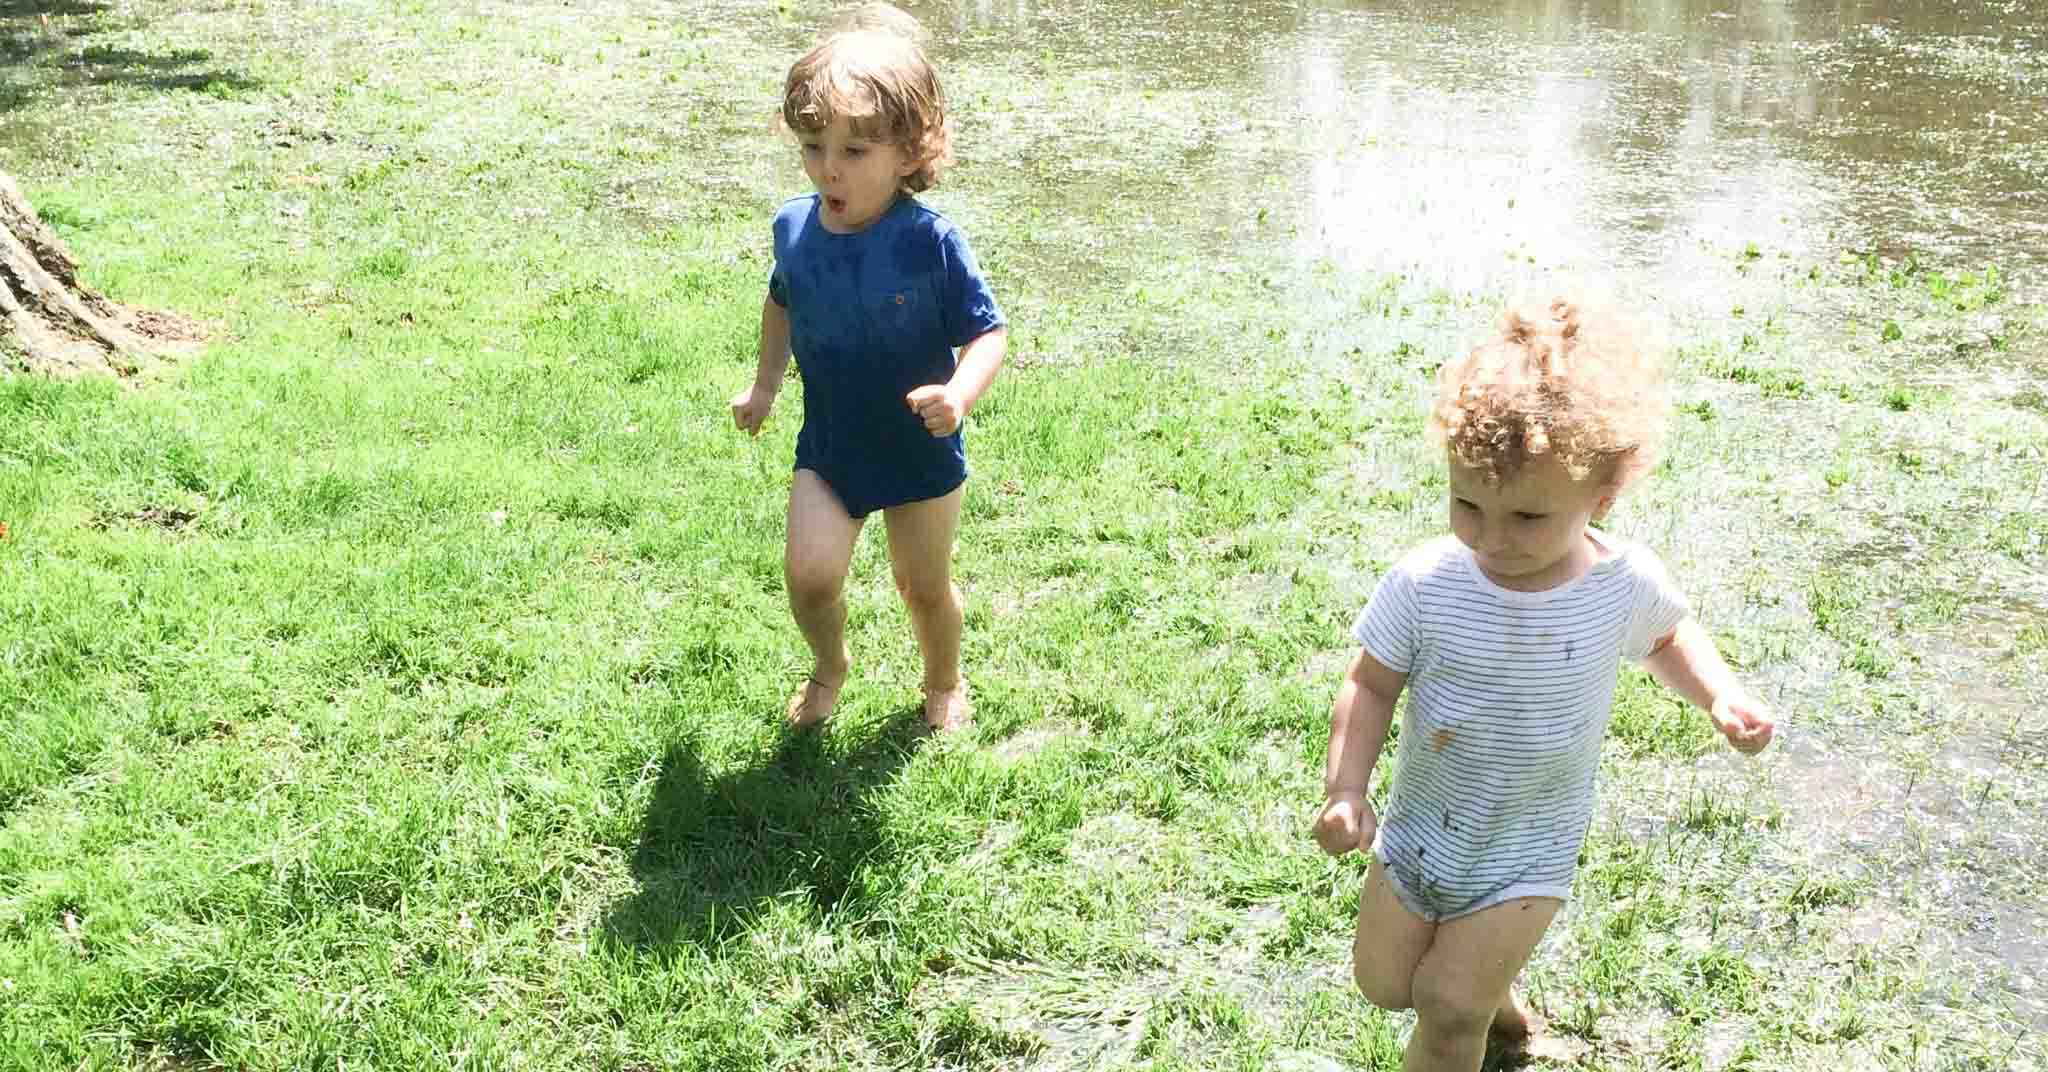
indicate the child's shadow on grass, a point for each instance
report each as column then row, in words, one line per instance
column 716, row 852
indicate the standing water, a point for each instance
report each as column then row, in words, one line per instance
column 1495, row 145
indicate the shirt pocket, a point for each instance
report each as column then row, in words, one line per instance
column 902, row 317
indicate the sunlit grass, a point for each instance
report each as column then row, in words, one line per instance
column 396, row 684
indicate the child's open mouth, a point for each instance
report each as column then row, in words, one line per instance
column 836, row 204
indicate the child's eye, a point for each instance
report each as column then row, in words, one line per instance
column 1463, row 504
column 810, row 147
column 1524, row 515
column 856, row 150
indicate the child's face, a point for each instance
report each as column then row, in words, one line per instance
column 857, row 177
column 1528, row 533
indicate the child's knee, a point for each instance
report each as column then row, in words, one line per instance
column 1450, row 1005
column 924, row 593
column 1378, row 985
column 812, row 583
column 1379, row 991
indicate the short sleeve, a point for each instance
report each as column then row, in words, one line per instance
column 1389, row 624
column 1658, row 607
column 970, row 306
column 788, row 222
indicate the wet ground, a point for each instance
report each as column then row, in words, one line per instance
column 1488, row 145
column 1693, row 158
column 1782, row 180
column 1733, row 167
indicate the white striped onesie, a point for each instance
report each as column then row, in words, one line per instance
column 1508, row 698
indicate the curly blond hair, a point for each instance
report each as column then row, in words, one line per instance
column 873, row 74
column 1558, row 381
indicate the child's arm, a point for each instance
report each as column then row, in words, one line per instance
column 750, row 407
column 1685, row 661
column 944, row 405
column 1358, row 731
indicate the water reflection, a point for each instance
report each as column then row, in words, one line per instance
column 1609, row 141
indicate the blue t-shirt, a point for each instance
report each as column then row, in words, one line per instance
column 874, row 315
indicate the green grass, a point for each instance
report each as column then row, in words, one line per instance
column 396, row 684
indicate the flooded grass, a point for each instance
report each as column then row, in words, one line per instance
column 429, row 628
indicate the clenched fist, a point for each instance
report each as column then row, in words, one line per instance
column 750, row 409
column 1347, row 822
column 1747, row 724
column 938, row 407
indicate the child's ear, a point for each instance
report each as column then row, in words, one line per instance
column 919, row 154
column 1606, row 502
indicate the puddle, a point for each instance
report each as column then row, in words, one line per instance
column 1652, row 143
column 1950, row 844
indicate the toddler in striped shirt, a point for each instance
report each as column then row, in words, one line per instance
column 1508, row 634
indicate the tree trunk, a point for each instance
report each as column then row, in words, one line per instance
column 50, row 323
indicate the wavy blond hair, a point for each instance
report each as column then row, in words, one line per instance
column 1580, row 386
column 873, row 74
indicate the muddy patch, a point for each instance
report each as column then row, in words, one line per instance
column 161, row 518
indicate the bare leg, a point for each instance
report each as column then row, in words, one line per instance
column 1462, row 982
column 1390, row 943
column 814, row 564
column 921, row 552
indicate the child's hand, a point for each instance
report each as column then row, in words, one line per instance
column 1746, row 723
column 1347, row 823
column 750, row 410
column 939, row 408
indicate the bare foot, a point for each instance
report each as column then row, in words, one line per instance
column 812, row 704
column 1511, row 1026
column 1518, row 1037
column 947, row 710
column 1507, row 1041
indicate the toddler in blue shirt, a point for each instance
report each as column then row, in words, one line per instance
column 874, row 292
